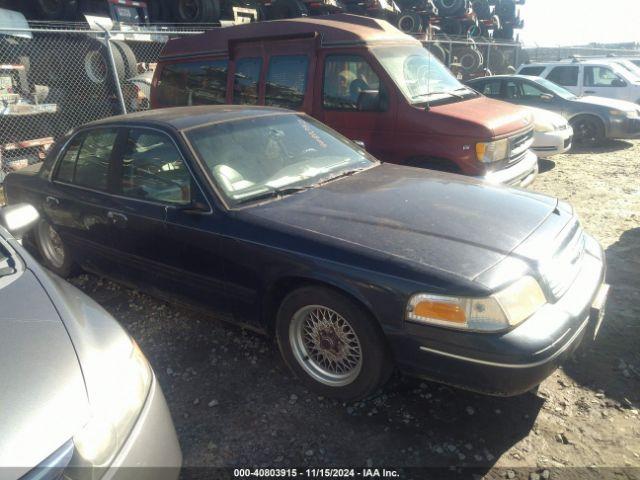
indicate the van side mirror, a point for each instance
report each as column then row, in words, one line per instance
column 369, row 101
column 18, row 219
column 618, row 82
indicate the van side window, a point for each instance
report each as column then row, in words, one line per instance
column 566, row 76
column 193, row 83
column 286, row 81
column 152, row 169
column 245, row 81
column 600, row 77
column 351, row 84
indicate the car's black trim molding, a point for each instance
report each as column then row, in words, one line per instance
column 488, row 363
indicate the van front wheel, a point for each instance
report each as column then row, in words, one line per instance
column 332, row 344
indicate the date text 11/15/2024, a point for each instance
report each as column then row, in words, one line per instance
column 315, row 473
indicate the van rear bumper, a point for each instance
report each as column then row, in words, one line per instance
column 520, row 174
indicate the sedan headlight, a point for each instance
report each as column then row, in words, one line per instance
column 489, row 152
column 123, row 378
column 542, row 126
column 624, row 113
column 502, row 310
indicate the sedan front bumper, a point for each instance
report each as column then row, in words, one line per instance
column 546, row 144
column 624, row 128
column 515, row 361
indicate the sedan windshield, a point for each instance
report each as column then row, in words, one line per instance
column 274, row 155
column 419, row 75
column 555, row 88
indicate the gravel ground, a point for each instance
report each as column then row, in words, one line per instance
column 235, row 404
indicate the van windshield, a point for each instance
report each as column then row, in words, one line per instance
column 419, row 75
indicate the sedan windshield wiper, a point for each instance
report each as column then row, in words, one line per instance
column 274, row 193
column 340, row 175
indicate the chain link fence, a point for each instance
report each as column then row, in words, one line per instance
column 58, row 76
column 549, row 54
column 54, row 79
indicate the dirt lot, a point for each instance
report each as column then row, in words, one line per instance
column 235, row 404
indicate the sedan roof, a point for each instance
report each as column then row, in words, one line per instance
column 183, row 118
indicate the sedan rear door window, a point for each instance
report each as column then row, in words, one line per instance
column 67, row 164
column 86, row 160
column 153, row 169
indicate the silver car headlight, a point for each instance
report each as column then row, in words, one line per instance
column 500, row 311
column 489, row 152
column 542, row 126
column 123, row 378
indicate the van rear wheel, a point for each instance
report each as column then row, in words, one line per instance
column 332, row 344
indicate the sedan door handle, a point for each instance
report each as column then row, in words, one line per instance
column 117, row 218
column 589, row 91
column 52, row 201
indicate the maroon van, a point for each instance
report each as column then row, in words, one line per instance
column 362, row 77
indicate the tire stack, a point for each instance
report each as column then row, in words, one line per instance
column 77, row 70
column 509, row 18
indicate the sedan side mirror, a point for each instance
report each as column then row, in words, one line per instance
column 18, row 219
column 194, row 208
column 547, row 97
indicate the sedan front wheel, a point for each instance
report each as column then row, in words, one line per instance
column 332, row 344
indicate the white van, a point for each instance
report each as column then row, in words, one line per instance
column 602, row 78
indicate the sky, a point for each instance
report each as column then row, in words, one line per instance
column 579, row 22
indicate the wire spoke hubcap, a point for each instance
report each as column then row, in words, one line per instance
column 325, row 345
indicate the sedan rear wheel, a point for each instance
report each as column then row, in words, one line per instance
column 55, row 254
column 332, row 344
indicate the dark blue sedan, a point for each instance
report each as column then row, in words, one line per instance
column 355, row 266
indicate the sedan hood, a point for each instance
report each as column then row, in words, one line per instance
column 420, row 218
column 609, row 103
column 44, row 401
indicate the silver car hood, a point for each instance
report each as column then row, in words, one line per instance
column 43, row 399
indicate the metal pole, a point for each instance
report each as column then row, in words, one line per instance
column 107, row 36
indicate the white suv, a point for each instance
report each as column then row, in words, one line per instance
column 603, row 78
